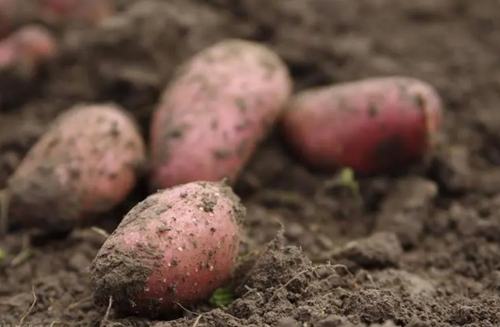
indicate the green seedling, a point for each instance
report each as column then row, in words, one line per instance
column 221, row 297
column 345, row 179
column 348, row 179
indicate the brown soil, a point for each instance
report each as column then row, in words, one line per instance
column 418, row 248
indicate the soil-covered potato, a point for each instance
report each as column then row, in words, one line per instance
column 216, row 111
column 367, row 125
column 86, row 163
column 175, row 247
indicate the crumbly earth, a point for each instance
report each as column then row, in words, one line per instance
column 417, row 248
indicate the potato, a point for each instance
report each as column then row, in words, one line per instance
column 86, row 163
column 15, row 13
column 58, row 13
column 27, row 49
column 7, row 8
column 215, row 112
column 66, row 11
column 23, row 54
column 368, row 125
column 175, row 247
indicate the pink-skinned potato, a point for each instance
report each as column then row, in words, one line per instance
column 23, row 55
column 7, row 15
column 170, row 251
column 15, row 13
column 215, row 111
column 369, row 125
column 25, row 50
column 86, row 163
column 64, row 11
column 58, row 13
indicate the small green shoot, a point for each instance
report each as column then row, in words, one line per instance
column 221, row 297
column 345, row 179
column 2, row 255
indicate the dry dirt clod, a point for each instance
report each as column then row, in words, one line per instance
column 451, row 169
column 377, row 251
column 405, row 210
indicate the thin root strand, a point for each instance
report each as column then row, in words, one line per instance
column 21, row 321
column 105, row 319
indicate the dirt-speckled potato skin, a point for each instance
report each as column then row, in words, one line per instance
column 215, row 111
column 87, row 162
column 175, row 247
column 368, row 125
